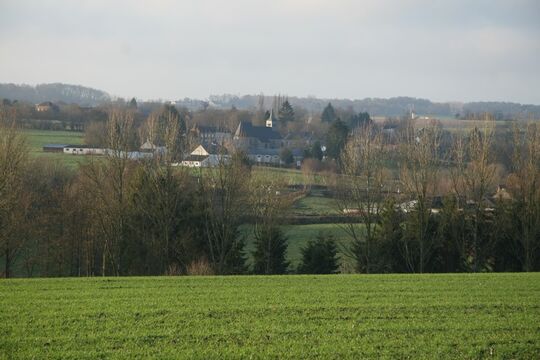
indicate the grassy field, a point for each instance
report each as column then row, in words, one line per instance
column 38, row 138
column 470, row 316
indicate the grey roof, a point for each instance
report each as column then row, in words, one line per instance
column 262, row 133
column 272, row 152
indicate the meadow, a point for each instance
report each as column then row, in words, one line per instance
column 454, row 316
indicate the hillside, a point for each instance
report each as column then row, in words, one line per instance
column 56, row 92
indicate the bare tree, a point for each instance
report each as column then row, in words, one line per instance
column 472, row 176
column 525, row 188
column 419, row 175
column 13, row 160
column 360, row 191
column 224, row 191
column 108, row 182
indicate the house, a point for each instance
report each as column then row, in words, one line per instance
column 263, row 156
column 149, row 147
column 502, row 194
column 210, row 134
column 47, row 106
column 201, row 157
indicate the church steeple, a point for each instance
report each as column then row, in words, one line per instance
column 270, row 120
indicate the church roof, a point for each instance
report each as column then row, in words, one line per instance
column 262, row 133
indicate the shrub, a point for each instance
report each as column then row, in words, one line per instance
column 319, row 256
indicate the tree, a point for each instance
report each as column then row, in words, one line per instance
column 319, row 256
column 286, row 112
column 269, row 208
column 360, row 192
column 525, row 188
column 108, row 182
column 329, row 114
column 133, row 103
column 336, row 138
column 270, row 250
column 419, row 173
column 316, row 151
column 224, row 193
column 286, row 156
column 473, row 176
column 13, row 161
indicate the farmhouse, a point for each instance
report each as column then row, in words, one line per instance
column 207, row 135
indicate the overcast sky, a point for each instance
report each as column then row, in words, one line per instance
column 454, row 50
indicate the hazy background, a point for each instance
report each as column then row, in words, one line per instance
column 442, row 50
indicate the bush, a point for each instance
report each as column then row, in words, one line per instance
column 320, row 256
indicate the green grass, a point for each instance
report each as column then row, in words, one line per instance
column 38, row 138
column 469, row 316
column 315, row 206
column 298, row 236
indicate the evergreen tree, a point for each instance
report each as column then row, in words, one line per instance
column 329, row 114
column 316, row 151
column 269, row 254
column 336, row 138
column 319, row 256
column 133, row 103
column 286, row 112
column 286, row 156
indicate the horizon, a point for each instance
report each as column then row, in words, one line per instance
column 328, row 50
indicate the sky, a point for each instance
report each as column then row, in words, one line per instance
column 453, row 50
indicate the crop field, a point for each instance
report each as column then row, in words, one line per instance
column 467, row 316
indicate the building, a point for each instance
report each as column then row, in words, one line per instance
column 201, row 157
column 263, row 156
column 248, row 136
column 83, row 150
column 54, row 148
column 47, row 106
column 210, row 134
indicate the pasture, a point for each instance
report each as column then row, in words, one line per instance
column 457, row 316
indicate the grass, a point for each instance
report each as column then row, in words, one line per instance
column 38, row 138
column 315, row 206
column 459, row 316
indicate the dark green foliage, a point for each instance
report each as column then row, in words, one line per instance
column 286, row 156
column 270, row 250
column 286, row 112
column 336, row 139
column 319, row 256
column 359, row 120
column 133, row 103
column 316, row 151
column 329, row 114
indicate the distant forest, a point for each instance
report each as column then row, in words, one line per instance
column 392, row 107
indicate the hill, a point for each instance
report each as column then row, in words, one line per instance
column 56, row 92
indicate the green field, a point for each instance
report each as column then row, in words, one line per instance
column 38, row 138
column 470, row 316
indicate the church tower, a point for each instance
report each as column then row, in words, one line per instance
column 270, row 120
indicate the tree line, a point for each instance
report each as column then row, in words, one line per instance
column 116, row 216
